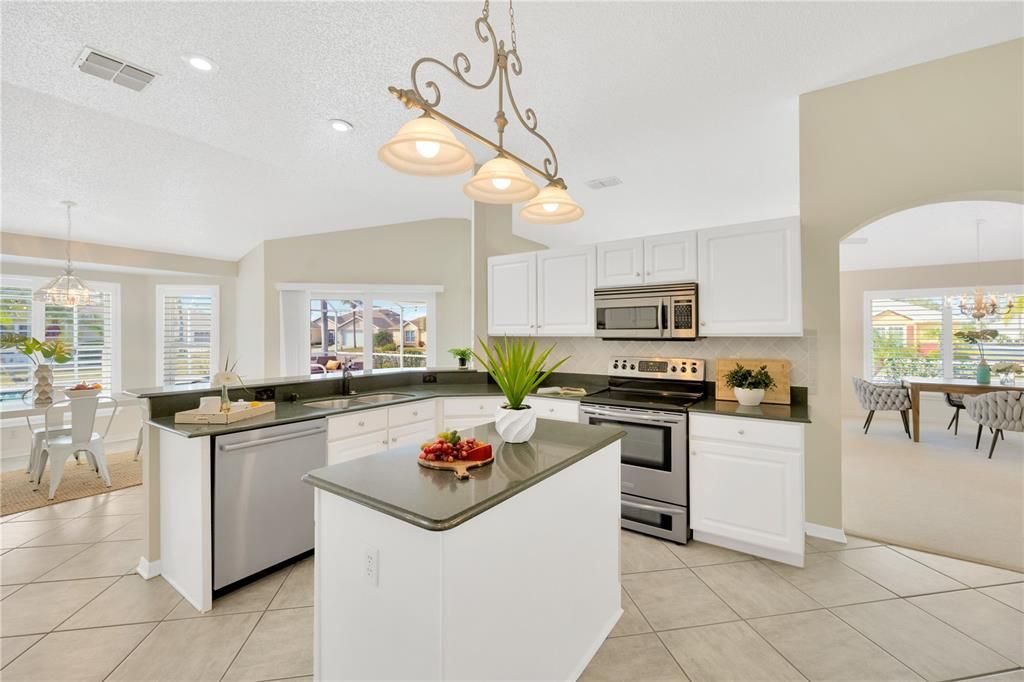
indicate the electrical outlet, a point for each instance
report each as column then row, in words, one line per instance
column 371, row 566
column 430, row 378
column 265, row 394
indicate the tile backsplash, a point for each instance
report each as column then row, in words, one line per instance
column 590, row 355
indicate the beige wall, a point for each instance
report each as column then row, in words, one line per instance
column 249, row 315
column 852, row 286
column 946, row 129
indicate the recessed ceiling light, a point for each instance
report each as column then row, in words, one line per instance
column 340, row 125
column 199, row 62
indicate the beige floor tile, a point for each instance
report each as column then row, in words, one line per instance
column 695, row 553
column 675, row 599
column 18, row 533
column 1012, row 676
column 728, row 651
column 297, row 590
column 8, row 590
column 638, row 552
column 10, row 517
column 852, row 542
column 77, row 655
column 134, row 530
column 12, row 647
column 632, row 621
column 969, row 573
column 65, row 510
column 1011, row 595
column 830, row 582
column 108, row 558
column 640, row 657
column 895, row 572
column 194, row 649
column 994, row 624
column 253, row 597
column 40, row 607
column 823, row 647
column 81, row 530
column 25, row 564
column 281, row 646
column 922, row 642
column 130, row 600
column 753, row 590
column 118, row 506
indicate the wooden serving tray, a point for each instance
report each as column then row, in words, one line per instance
column 460, row 467
column 779, row 369
column 194, row 417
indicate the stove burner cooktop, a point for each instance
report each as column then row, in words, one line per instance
column 666, row 384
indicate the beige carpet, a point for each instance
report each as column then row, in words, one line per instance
column 939, row 495
column 17, row 494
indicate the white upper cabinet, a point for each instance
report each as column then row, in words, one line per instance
column 620, row 264
column 512, row 295
column 749, row 279
column 565, row 292
column 670, row 258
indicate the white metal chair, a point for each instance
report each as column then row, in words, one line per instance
column 54, row 421
column 58, row 447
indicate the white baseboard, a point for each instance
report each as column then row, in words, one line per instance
column 782, row 556
column 603, row 635
column 148, row 569
column 825, row 532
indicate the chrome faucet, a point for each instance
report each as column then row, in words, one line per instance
column 346, row 378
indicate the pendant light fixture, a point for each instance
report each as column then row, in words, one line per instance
column 426, row 145
column 66, row 289
column 978, row 304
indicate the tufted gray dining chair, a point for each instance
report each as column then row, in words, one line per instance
column 998, row 410
column 891, row 397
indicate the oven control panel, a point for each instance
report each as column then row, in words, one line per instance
column 683, row 369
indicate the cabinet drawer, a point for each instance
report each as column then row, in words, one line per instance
column 347, row 449
column 463, row 423
column 554, row 408
column 411, row 434
column 750, row 431
column 472, row 407
column 420, row 411
column 348, row 425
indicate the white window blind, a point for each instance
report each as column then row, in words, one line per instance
column 15, row 318
column 1007, row 347
column 188, row 329
column 89, row 331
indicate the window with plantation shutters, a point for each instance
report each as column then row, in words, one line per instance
column 15, row 318
column 188, row 328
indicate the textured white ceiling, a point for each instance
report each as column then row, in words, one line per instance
column 938, row 234
column 693, row 105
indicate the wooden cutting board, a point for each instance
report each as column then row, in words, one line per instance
column 779, row 369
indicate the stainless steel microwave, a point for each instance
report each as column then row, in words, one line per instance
column 663, row 311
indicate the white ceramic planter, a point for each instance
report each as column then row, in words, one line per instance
column 42, row 391
column 515, row 426
column 751, row 397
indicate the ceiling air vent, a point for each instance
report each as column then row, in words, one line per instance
column 113, row 69
column 601, row 183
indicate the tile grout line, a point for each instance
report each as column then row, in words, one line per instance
column 965, row 634
column 873, row 582
column 259, row 620
column 894, row 548
column 132, row 651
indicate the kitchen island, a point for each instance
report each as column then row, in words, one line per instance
column 512, row 574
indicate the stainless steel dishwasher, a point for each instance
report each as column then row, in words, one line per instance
column 262, row 511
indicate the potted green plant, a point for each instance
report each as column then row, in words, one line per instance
column 462, row 355
column 749, row 385
column 978, row 337
column 518, row 370
column 1007, row 372
column 43, row 355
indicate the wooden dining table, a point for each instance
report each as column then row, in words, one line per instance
column 918, row 385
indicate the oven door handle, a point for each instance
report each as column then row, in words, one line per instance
column 635, row 418
column 653, row 508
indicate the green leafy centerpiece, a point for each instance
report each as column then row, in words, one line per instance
column 43, row 354
column 979, row 337
column 518, row 369
column 749, row 385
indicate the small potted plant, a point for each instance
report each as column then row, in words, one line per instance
column 43, row 355
column 978, row 337
column 518, row 370
column 749, row 385
column 462, row 355
column 1007, row 372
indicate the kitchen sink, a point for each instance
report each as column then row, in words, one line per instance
column 358, row 401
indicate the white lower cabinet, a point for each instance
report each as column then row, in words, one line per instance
column 747, row 485
column 347, row 449
column 465, row 413
column 555, row 408
column 411, row 434
column 392, row 427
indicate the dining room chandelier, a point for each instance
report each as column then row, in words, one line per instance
column 979, row 304
column 66, row 289
column 427, row 146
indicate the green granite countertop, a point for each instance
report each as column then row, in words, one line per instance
column 394, row 484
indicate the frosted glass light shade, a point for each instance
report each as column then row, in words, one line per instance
column 500, row 181
column 425, row 146
column 551, row 206
column 66, row 290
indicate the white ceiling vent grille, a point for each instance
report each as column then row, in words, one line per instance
column 601, row 183
column 109, row 68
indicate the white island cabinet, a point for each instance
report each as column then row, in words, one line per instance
column 512, row 574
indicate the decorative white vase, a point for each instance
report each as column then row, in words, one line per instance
column 751, row 397
column 42, row 390
column 515, row 426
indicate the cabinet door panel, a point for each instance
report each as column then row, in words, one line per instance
column 462, row 423
column 565, row 292
column 411, row 434
column 348, row 449
column 750, row 280
column 670, row 258
column 750, row 494
column 558, row 409
column 512, row 295
column 620, row 264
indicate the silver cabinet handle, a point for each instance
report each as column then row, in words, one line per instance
column 272, row 439
column 384, row 442
column 415, row 413
column 653, row 508
column 637, row 274
column 551, row 409
column 703, row 324
column 362, row 423
column 648, row 273
column 394, row 439
column 740, row 431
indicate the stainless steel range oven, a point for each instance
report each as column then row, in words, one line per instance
column 647, row 398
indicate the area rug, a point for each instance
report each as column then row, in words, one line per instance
column 78, row 480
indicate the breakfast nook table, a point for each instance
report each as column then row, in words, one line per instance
column 917, row 385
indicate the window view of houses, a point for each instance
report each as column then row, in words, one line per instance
column 338, row 334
